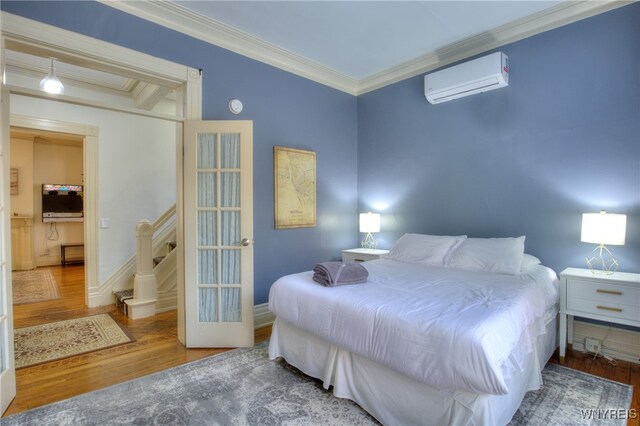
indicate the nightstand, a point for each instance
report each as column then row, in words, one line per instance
column 362, row 254
column 612, row 298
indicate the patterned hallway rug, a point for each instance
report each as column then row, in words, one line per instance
column 62, row 339
column 242, row 387
column 34, row 286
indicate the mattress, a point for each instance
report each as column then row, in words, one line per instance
column 451, row 329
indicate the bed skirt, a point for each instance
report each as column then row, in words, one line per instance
column 396, row 399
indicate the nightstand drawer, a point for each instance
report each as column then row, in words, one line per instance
column 613, row 310
column 362, row 255
column 358, row 257
column 602, row 292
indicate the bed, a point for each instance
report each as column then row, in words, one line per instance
column 447, row 330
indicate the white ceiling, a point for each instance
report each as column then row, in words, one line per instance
column 353, row 46
column 363, row 38
column 359, row 46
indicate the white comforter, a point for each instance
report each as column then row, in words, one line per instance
column 448, row 328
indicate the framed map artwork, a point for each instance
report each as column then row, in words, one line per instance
column 294, row 187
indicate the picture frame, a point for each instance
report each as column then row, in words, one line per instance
column 294, row 187
column 13, row 181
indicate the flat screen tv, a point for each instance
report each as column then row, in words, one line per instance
column 62, row 203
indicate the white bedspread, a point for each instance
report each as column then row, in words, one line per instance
column 450, row 329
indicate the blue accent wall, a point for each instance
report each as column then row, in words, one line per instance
column 562, row 139
column 286, row 110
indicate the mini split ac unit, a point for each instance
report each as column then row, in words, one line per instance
column 479, row 75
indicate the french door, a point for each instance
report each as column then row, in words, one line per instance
column 7, row 366
column 218, row 233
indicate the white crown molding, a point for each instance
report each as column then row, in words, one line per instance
column 178, row 18
column 554, row 17
column 40, row 39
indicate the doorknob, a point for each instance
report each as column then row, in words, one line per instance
column 245, row 242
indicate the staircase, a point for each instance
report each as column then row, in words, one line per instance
column 123, row 295
column 153, row 287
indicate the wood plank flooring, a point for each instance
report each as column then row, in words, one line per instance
column 157, row 348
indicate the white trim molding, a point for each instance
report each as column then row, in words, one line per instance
column 262, row 316
column 90, row 160
column 34, row 37
column 617, row 343
column 178, row 18
column 554, row 17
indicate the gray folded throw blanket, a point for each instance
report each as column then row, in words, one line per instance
column 331, row 274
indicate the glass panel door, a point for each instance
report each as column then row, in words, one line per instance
column 220, row 293
column 219, row 286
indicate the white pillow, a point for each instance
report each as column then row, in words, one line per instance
column 529, row 261
column 424, row 249
column 499, row 255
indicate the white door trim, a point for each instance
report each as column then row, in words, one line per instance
column 34, row 37
column 90, row 170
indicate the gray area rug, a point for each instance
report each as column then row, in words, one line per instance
column 242, row 387
column 570, row 397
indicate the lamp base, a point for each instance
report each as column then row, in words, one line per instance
column 369, row 242
column 602, row 261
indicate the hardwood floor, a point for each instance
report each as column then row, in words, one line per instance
column 157, row 348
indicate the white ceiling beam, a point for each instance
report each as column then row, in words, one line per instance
column 147, row 95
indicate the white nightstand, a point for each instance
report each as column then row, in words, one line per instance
column 362, row 254
column 612, row 298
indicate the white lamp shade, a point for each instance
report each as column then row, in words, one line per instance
column 369, row 222
column 604, row 228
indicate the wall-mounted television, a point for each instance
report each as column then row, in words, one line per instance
column 62, row 203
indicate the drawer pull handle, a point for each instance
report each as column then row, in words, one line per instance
column 606, row 308
column 358, row 260
column 617, row 293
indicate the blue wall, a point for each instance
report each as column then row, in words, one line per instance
column 286, row 110
column 529, row 159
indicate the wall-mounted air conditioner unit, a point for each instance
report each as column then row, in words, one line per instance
column 476, row 76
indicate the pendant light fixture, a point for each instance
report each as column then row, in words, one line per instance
column 51, row 83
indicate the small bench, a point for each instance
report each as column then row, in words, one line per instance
column 63, row 254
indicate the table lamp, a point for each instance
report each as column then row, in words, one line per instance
column 369, row 222
column 603, row 228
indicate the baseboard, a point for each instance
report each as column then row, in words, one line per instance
column 262, row 316
column 619, row 344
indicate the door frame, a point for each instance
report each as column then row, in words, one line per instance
column 27, row 35
column 90, row 170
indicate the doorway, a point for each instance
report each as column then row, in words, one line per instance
column 47, row 190
column 62, row 144
column 27, row 36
